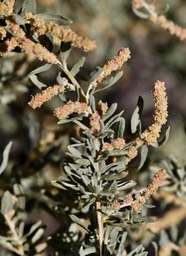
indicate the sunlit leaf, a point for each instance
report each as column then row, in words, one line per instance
column 76, row 68
column 7, row 202
column 5, row 157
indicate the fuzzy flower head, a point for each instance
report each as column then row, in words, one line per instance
column 38, row 100
column 151, row 134
column 116, row 144
column 6, row 7
column 95, row 122
column 70, row 108
column 113, row 65
column 151, row 190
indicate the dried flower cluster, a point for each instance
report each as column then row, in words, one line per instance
column 69, row 108
column 38, row 27
column 160, row 19
column 149, row 191
column 151, row 134
column 113, row 65
column 65, row 34
column 95, row 122
column 6, row 8
column 59, row 33
column 19, row 39
column 144, row 196
column 38, row 100
column 118, row 143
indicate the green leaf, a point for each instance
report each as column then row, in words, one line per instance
column 19, row 19
column 76, row 68
column 34, row 78
column 36, row 82
column 29, row 6
column 121, row 128
column 116, row 176
column 155, row 248
column 141, row 14
column 125, row 185
column 65, row 52
column 43, row 68
column 76, row 220
column 5, row 157
column 109, row 82
column 33, row 228
column 165, row 138
column 74, row 152
column 37, row 235
column 7, row 202
column 87, row 251
column 139, row 251
column 110, row 111
column 136, row 117
column 19, row 192
column 143, row 156
column 60, row 20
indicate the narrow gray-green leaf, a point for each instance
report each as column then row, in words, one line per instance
column 7, row 202
column 76, row 68
column 126, row 185
column 143, row 156
column 110, row 111
column 121, row 128
column 19, row 192
column 136, row 116
column 36, row 82
column 43, row 68
column 60, row 20
column 76, row 220
column 165, row 138
column 141, row 14
column 87, row 251
column 37, row 235
column 116, row 176
column 5, row 157
column 110, row 82
column 29, row 6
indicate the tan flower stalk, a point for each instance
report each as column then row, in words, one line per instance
column 149, row 191
column 38, row 100
column 113, row 65
column 28, row 46
column 6, row 8
column 65, row 34
column 70, row 108
column 160, row 19
column 151, row 134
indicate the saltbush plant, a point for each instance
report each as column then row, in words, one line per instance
column 75, row 189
